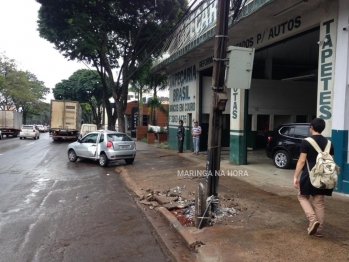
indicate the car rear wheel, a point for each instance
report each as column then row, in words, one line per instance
column 103, row 160
column 282, row 159
column 129, row 160
column 72, row 155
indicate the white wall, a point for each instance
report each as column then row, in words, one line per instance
column 206, row 96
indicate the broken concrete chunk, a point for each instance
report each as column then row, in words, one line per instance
column 145, row 202
column 164, row 199
column 175, row 205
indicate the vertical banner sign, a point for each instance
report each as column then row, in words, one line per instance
column 327, row 53
column 182, row 95
column 134, row 113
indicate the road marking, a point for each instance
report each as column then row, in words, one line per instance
column 30, row 144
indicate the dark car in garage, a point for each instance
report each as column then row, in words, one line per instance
column 284, row 143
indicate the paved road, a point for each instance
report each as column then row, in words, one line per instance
column 54, row 210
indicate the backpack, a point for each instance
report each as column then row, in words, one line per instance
column 324, row 174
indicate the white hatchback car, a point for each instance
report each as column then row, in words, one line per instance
column 29, row 131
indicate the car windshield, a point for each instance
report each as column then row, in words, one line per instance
column 27, row 127
column 118, row 137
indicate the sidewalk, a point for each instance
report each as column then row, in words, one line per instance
column 270, row 226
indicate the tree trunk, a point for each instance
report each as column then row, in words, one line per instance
column 154, row 110
column 140, row 107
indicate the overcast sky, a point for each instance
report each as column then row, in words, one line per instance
column 20, row 40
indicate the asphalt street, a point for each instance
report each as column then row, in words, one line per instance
column 55, row 210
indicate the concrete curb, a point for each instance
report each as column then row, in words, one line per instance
column 188, row 240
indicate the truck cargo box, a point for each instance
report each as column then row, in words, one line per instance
column 10, row 122
column 65, row 119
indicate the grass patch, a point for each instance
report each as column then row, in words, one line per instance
column 164, row 145
column 144, row 139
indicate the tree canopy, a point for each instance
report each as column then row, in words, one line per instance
column 20, row 90
column 104, row 32
column 84, row 86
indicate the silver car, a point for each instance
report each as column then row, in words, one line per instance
column 104, row 146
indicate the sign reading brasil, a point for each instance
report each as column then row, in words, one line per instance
column 181, row 100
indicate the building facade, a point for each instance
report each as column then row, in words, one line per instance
column 300, row 71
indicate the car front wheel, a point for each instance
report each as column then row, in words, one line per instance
column 72, row 155
column 129, row 160
column 103, row 160
column 282, row 159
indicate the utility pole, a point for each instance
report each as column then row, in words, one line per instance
column 218, row 98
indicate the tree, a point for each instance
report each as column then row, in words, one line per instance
column 18, row 89
column 102, row 31
column 7, row 67
column 153, row 104
column 84, row 86
column 145, row 81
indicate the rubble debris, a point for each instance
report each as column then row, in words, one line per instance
column 187, row 219
column 175, row 205
column 164, row 199
column 181, row 203
column 145, row 202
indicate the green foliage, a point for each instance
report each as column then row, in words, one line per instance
column 153, row 104
column 151, row 130
column 144, row 139
column 100, row 32
column 164, row 145
column 162, row 130
column 20, row 90
column 39, row 113
column 84, row 86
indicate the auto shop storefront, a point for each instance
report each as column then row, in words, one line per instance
column 293, row 79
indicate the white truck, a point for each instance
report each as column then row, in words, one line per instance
column 10, row 122
column 87, row 128
column 65, row 119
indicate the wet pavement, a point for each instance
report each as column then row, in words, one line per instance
column 54, row 210
column 270, row 225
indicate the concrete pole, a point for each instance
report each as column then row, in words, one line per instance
column 215, row 120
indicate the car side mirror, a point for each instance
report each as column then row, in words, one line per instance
column 79, row 140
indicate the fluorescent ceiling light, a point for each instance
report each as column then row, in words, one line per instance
column 290, row 8
column 298, row 77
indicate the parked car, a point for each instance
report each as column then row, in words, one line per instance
column 29, row 131
column 284, row 143
column 103, row 146
column 41, row 128
column 0, row 135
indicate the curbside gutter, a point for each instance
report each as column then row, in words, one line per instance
column 181, row 231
